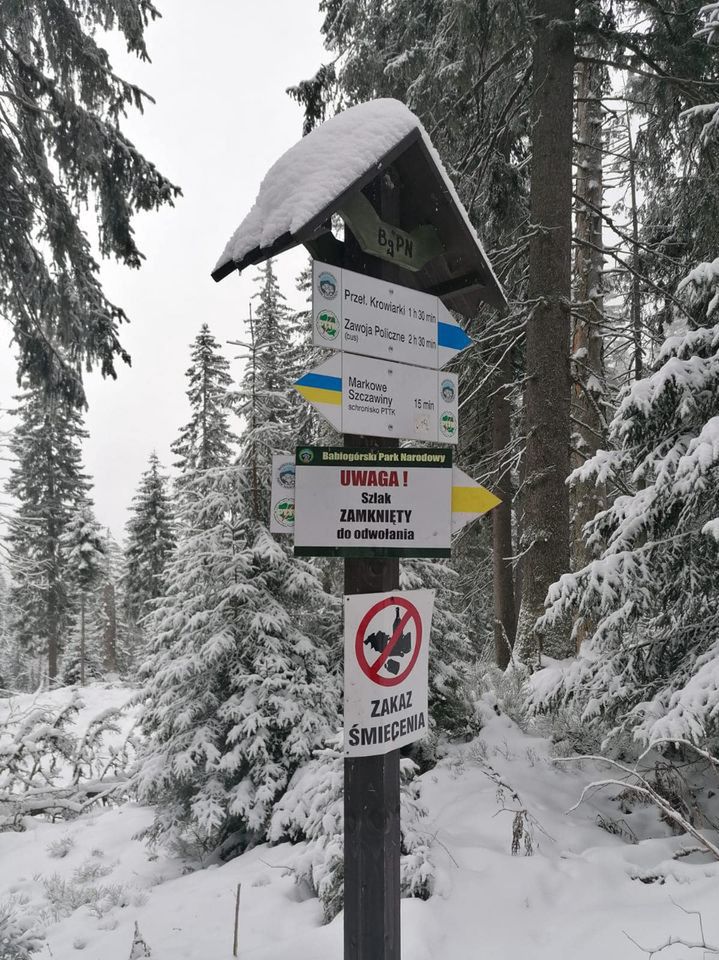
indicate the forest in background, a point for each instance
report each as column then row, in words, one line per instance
column 583, row 143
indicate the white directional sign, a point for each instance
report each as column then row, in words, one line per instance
column 359, row 314
column 376, row 398
column 386, row 670
column 375, row 503
column 282, row 502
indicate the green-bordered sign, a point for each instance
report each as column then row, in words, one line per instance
column 373, row 503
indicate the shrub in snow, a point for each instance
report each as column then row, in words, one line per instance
column 503, row 691
column 237, row 693
column 450, row 654
column 18, row 935
column 312, row 810
column 61, row 847
column 648, row 601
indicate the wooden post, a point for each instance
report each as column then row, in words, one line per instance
column 371, row 784
column 235, row 943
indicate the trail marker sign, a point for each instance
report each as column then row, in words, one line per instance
column 361, row 395
column 386, row 670
column 359, row 314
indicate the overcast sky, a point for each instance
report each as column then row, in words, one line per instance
column 219, row 73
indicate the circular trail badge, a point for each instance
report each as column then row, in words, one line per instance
column 448, row 424
column 327, row 282
column 286, row 475
column 447, row 391
column 387, row 656
column 284, row 512
column 327, row 324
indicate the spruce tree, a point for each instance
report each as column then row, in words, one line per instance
column 648, row 601
column 83, row 548
column 61, row 146
column 237, row 694
column 48, row 483
column 207, row 440
column 150, row 542
column 238, row 688
column 113, row 636
column 266, row 401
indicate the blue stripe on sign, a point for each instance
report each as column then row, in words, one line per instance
column 452, row 336
column 320, row 380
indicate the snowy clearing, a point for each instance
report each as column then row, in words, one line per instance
column 81, row 885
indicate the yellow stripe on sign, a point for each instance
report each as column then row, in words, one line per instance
column 318, row 395
column 473, row 500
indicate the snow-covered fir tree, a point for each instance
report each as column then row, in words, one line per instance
column 206, row 440
column 150, row 542
column 48, row 483
column 648, row 601
column 265, row 396
column 238, row 692
column 83, row 546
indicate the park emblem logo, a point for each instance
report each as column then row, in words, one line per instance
column 286, row 475
column 327, row 283
column 284, row 512
column 305, row 455
column 327, row 324
column 448, row 424
column 447, row 391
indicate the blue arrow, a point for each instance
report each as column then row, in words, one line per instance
column 452, row 336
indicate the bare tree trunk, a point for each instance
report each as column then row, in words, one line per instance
column 82, row 639
column 110, row 632
column 547, row 399
column 587, row 343
column 636, row 296
column 505, row 623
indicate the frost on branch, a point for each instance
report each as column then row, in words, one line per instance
column 48, row 768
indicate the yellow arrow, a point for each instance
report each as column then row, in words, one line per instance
column 469, row 499
column 473, row 500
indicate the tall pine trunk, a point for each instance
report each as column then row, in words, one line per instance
column 505, row 621
column 587, row 343
column 82, row 639
column 636, row 295
column 547, row 397
column 110, row 628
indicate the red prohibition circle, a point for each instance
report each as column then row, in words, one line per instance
column 372, row 671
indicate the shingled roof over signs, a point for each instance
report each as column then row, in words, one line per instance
column 309, row 182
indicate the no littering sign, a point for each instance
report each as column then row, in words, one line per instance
column 386, row 670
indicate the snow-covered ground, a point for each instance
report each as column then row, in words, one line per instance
column 573, row 889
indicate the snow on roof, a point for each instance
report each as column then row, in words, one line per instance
column 321, row 166
column 316, row 170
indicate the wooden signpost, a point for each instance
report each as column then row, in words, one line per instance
column 380, row 300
